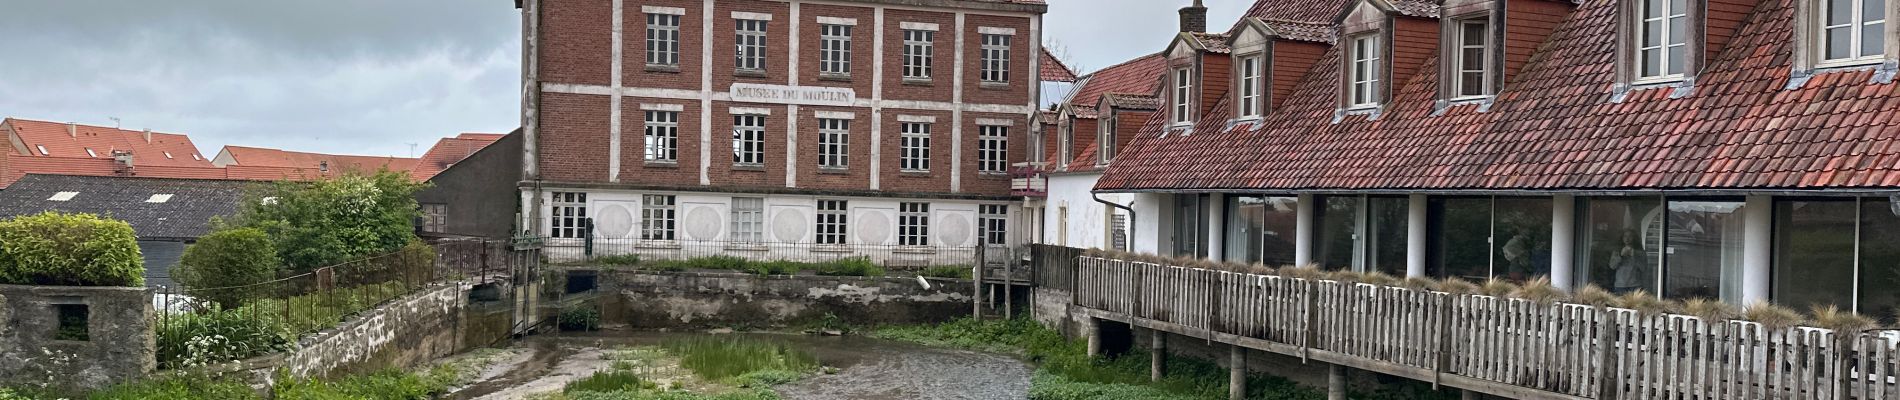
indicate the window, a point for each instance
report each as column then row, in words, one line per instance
column 748, row 219
column 992, row 149
column 1106, row 140
column 1473, row 57
column 917, row 48
column 914, row 147
column 1475, row 238
column 159, row 198
column 63, row 196
column 74, row 322
column 435, row 217
column 663, row 132
column 1250, row 87
column 663, row 39
column 834, row 143
column 1183, row 92
column 995, row 58
column 833, row 221
column 751, row 45
column 1853, row 30
column 90, row 153
column 1663, row 40
column 834, row 49
column 568, row 218
column 1190, row 225
column 1364, row 72
column 656, row 217
column 43, row 150
column 913, row 224
column 993, row 219
column 748, row 140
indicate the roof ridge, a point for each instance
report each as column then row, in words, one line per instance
column 1120, row 64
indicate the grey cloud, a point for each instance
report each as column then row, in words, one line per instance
column 1100, row 33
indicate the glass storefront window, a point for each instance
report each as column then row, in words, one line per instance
column 1879, row 285
column 1386, row 229
column 1190, row 225
column 1814, row 253
column 1620, row 243
column 1246, row 225
column 1461, row 236
column 1282, row 222
column 1337, row 246
column 1702, row 256
column 1521, row 226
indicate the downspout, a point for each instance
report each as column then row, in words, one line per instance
column 1131, row 217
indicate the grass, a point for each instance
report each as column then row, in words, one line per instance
column 723, row 368
column 840, row 267
column 609, row 381
column 947, row 271
column 732, row 358
column 385, row 385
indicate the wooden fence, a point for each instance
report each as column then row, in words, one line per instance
column 1053, row 267
column 1504, row 346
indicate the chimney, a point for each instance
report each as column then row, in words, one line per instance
column 1194, row 18
column 122, row 161
column 72, row 129
column 148, row 135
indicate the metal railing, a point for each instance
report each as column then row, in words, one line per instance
column 890, row 257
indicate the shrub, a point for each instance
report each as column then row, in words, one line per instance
column 580, row 319
column 850, row 267
column 218, row 267
column 218, row 335
column 69, row 249
column 326, row 222
column 947, row 271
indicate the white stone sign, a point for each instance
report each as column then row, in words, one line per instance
column 801, row 95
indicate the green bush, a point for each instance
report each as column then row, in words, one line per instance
column 580, row 319
column 69, row 249
column 322, row 223
column 221, row 264
column 218, row 335
column 948, row 271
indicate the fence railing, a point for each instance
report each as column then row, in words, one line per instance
column 1569, row 349
column 1053, row 266
column 890, row 257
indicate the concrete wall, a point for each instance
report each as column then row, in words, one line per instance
column 119, row 343
column 655, row 300
column 480, row 190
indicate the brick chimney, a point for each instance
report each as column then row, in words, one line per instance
column 1194, row 18
column 122, row 162
column 72, row 129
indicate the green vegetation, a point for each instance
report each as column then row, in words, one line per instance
column 609, row 381
column 328, row 222
column 622, row 260
column 730, row 358
column 385, row 385
column 69, row 249
column 705, row 368
column 217, row 335
column 842, row 267
column 948, row 271
column 226, row 265
column 580, row 319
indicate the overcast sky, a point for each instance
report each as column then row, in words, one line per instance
column 355, row 76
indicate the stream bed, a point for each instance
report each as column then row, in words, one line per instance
column 866, row 368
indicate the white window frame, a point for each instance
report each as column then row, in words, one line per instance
column 748, row 220
column 1362, row 70
column 663, row 39
column 1663, row 23
column 834, row 49
column 993, row 224
column 992, row 149
column 1105, row 140
column 658, row 214
column 567, row 215
column 918, row 45
column 1183, row 95
column 913, row 147
column 1857, row 24
column 750, row 37
column 1463, row 66
column 662, row 136
column 834, row 143
column 1250, row 90
column 435, row 217
column 913, row 224
column 995, row 61
column 834, row 222
column 748, row 140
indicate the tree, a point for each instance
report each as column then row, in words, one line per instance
column 220, row 266
column 327, row 222
column 69, row 249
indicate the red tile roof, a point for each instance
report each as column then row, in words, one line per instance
column 267, row 157
column 1555, row 126
column 1053, row 70
column 58, row 139
column 1140, row 75
column 449, row 151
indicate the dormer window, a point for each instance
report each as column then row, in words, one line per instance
column 1105, row 141
column 1363, row 72
column 1183, row 96
column 1663, row 41
column 1473, row 57
column 1852, row 31
column 1250, row 87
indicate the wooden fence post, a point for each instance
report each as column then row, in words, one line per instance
column 1609, row 382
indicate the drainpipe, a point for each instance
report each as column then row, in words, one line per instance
column 1131, row 218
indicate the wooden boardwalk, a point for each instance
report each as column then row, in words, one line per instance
column 1506, row 347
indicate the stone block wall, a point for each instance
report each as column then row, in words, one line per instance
column 108, row 337
column 690, row 300
column 405, row 332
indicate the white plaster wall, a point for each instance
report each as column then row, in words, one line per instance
column 1087, row 218
column 788, row 218
column 1154, row 225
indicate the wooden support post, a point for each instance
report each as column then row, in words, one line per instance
column 1336, row 382
column 1157, row 355
column 1236, row 373
column 976, row 297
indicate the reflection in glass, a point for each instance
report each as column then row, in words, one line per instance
column 1386, row 219
column 1461, row 231
column 1879, row 258
column 1814, row 253
column 1282, row 216
column 1703, row 258
column 1621, row 244
column 1190, row 225
column 1337, row 246
column 1522, row 228
column 1246, row 225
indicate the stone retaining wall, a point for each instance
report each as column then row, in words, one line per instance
column 693, row 300
column 114, row 343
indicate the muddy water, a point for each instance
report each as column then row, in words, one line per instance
column 868, row 369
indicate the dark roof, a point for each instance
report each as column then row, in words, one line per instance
column 186, row 215
column 1557, row 125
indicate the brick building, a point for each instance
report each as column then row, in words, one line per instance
column 839, row 122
